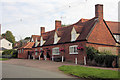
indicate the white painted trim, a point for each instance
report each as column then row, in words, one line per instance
column 75, row 60
column 73, row 52
column 84, row 60
column 62, row 58
column 54, row 49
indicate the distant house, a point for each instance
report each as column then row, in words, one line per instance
column 20, row 43
column 70, row 41
column 4, row 45
column 26, row 50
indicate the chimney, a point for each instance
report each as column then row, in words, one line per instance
column 57, row 24
column 42, row 30
column 99, row 11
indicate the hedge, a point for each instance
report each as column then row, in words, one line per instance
column 9, row 53
column 101, row 58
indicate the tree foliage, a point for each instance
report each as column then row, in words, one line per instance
column 9, row 36
column 27, row 38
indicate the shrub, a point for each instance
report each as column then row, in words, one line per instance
column 101, row 58
column 9, row 53
column 91, row 51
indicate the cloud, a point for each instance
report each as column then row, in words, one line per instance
column 24, row 17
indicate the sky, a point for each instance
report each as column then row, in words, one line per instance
column 25, row 17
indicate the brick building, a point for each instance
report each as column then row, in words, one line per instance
column 69, row 42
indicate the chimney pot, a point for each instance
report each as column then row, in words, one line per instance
column 57, row 24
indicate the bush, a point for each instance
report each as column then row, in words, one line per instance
column 99, row 59
column 10, row 53
column 91, row 51
column 102, row 58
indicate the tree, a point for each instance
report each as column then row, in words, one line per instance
column 27, row 38
column 9, row 36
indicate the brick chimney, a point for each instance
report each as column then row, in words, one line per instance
column 42, row 30
column 57, row 24
column 99, row 11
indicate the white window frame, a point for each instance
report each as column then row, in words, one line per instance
column 117, row 37
column 73, row 51
column 56, row 38
column 41, row 41
column 55, row 52
column 73, row 36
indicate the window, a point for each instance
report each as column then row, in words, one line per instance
column 41, row 41
column 117, row 37
column 73, row 36
column 55, row 51
column 73, row 49
column 9, row 44
column 32, row 40
column 36, row 52
column 56, row 38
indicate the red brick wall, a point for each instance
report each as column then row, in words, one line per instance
column 100, row 34
column 68, row 57
column 24, row 55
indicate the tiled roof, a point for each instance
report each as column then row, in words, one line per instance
column 36, row 37
column 82, row 27
column 113, row 26
column 28, row 45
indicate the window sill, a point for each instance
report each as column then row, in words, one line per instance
column 73, row 53
column 55, row 54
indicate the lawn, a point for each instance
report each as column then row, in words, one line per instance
column 86, row 72
column 2, row 59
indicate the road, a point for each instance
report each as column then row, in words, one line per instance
column 15, row 71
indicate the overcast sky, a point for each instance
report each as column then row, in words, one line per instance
column 25, row 17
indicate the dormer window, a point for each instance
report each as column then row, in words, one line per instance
column 56, row 38
column 117, row 37
column 41, row 41
column 32, row 40
column 36, row 43
column 74, row 34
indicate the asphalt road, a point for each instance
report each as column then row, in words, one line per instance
column 15, row 71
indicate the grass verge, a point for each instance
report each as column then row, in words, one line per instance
column 86, row 72
column 3, row 59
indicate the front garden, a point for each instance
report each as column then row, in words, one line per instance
column 89, row 73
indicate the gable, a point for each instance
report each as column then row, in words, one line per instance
column 101, row 34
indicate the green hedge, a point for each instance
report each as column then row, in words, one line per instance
column 9, row 53
column 102, row 58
